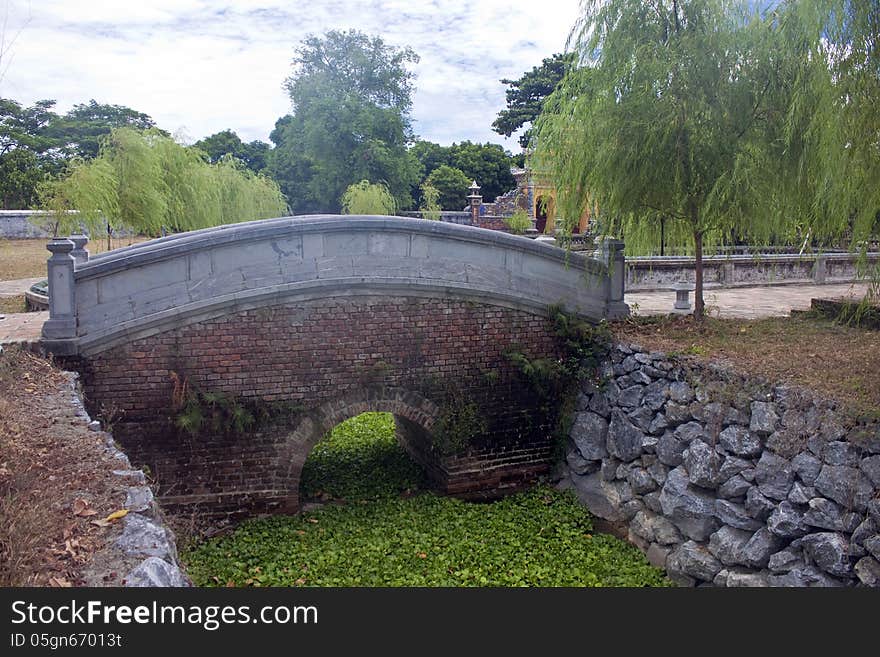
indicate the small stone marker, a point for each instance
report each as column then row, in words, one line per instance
column 682, row 297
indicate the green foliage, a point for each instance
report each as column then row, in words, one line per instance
column 360, row 459
column 519, row 222
column 20, row 176
column 80, row 132
column 367, row 198
column 488, row 164
column 452, row 186
column 212, row 412
column 253, row 154
column 525, row 96
column 430, row 202
column 539, row 538
column 352, row 97
column 460, row 422
column 147, row 183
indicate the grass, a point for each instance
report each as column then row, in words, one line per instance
column 838, row 361
column 11, row 305
column 27, row 258
column 378, row 538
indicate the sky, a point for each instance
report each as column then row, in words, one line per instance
column 201, row 66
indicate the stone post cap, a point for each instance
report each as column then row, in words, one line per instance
column 686, row 286
column 612, row 244
column 79, row 240
column 60, row 246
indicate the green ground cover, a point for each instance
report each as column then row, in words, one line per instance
column 388, row 534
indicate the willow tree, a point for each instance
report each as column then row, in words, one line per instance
column 367, row 198
column 147, row 183
column 671, row 117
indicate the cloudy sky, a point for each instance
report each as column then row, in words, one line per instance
column 201, row 66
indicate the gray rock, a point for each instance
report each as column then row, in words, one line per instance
column 800, row 494
column 760, row 547
column 868, row 571
column 840, row 452
column 757, row 505
column 641, row 526
column 874, row 510
column 727, row 545
column 825, row 514
column 599, row 405
column 137, row 476
column 846, row 486
column 774, row 476
column 642, row 417
column 871, row 467
column 786, row 521
column 631, row 507
column 636, row 377
column 155, row 572
column 664, row 531
column 830, row 552
column 582, row 401
column 863, row 532
column 655, row 395
column 748, row 474
column 630, row 364
column 744, row 579
column 630, row 397
column 677, row 413
column 807, row 467
column 736, row 486
column 736, row 416
column 735, row 515
column 807, row 576
column 143, row 538
column 693, row 560
column 138, row 498
column 94, row 425
column 740, row 441
column 872, row 545
column 624, row 440
column 733, row 465
column 578, row 464
column 649, row 444
column 657, row 555
column 691, row 510
column 652, row 501
column 658, row 472
column 681, row 393
column 602, row 498
column 785, row 560
column 641, row 481
column 608, row 469
column 764, row 418
column 831, row 428
column 658, row 424
column 670, row 450
column 703, row 464
column 590, row 433
column 689, row 432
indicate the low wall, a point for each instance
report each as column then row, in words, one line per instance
column 645, row 274
column 23, row 224
column 726, row 480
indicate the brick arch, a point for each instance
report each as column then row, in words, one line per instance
column 415, row 417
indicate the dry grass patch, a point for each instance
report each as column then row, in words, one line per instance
column 27, row 258
column 9, row 305
column 837, row 361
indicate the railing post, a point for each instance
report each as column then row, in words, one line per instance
column 80, row 253
column 820, row 269
column 62, row 300
column 612, row 256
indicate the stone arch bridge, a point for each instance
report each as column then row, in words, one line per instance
column 311, row 320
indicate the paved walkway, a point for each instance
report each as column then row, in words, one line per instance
column 16, row 287
column 748, row 302
column 743, row 302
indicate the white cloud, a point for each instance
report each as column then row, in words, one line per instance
column 202, row 66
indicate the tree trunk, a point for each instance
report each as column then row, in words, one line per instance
column 699, row 306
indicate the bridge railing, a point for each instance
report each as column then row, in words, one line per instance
column 156, row 286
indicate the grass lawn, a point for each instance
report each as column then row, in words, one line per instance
column 389, row 534
column 27, row 258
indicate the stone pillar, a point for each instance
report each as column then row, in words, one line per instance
column 612, row 256
column 62, row 299
column 820, row 269
column 80, row 253
column 727, row 272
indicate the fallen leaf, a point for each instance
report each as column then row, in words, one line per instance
column 59, row 582
column 300, row 581
column 312, row 520
column 109, row 520
column 81, row 508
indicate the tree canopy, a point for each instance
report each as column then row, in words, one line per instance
column 675, row 112
column 451, row 185
column 488, row 164
column 525, row 96
column 226, row 142
column 365, row 197
column 351, row 96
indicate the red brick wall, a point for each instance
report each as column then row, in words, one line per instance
column 317, row 354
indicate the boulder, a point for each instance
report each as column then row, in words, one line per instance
column 734, row 487
column 787, row 522
column 630, row 397
column 670, row 450
column 868, row 571
column 840, row 452
column 681, row 393
column 764, row 418
column 806, row 576
column 825, row 514
column 757, row 505
column 847, row 486
column 740, row 441
column 602, row 498
column 655, row 395
column 774, row 476
column 807, row 467
column 155, row 572
column 760, row 547
column 727, row 545
column 830, row 552
column 691, row 510
column 686, row 433
column 694, row 560
column 785, row 560
column 624, row 440
column 736, row 516
column 871, row 467
column 590, row 434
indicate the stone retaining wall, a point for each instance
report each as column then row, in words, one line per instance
column 727, row 480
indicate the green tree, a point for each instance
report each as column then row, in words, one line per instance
column 430, row 203
column 525, row 96
column 367, row 198
column 80, row 131
column 352, row 97
column 227, row 142
column 673, row 113
column 451, row 184
column 148, row 183
column 28, row 154
column 488, row 164
column 20, row 175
